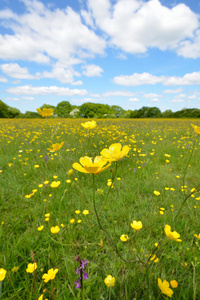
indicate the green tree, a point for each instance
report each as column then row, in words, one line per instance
column 118, row 111
column 13, row 112
column 4, row 111
column 95, row 110
column 167, row 114
column 153, row 112
column 63, row 109
column 31, row 114
column 49, row 106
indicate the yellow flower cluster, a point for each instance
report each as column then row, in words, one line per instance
column 45, row 112
column 164, row 286
column 173, row 235
column 109, row 281
column 101, row 163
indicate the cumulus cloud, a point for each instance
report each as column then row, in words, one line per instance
column 63, row 73
column 187, row 79
column 3, row 79
column 177, row 100
column 154, row 100
column 40, row 34
column 192, row 97
column 137, row 79
column 135, row 25
column 133, row 99
column 173, row 91
column 190, row 48
column 151, row 95
column 118, row 94
column 92, row 70
column 15, row 71
column 44, row 90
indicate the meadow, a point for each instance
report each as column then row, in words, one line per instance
column 63, row 231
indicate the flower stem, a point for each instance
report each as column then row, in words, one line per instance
column 105, row 232
column 113, row 179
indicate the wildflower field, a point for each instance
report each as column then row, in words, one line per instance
column 107, row 209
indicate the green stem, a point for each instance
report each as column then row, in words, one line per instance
column 184, row 173
column 185, row 201
column 1, row 283
column 109, row 190
column 109, row 293
column 105, row 232
column 194, row 283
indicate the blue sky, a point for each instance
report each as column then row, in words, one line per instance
column 130, row 53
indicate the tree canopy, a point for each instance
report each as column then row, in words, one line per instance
column 97, row 110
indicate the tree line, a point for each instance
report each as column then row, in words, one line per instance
column 96, row 110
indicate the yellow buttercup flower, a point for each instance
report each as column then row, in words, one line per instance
column 115, row 152
column 157, row 193
column 164, row 286
column 109, row 281
column 40, row 228
column 136, row 225
column 89, row 125
column 70, row 172
column 88, row 166
column 55, row 147
column 2, row 274
column 50, row 275
column 31, row 268
column 45, row 112
column 197, row 236
column 196, row 128
column 124, row 237
column 173, row 235
column 55, row 184
column 174, row 283
column 55, row 229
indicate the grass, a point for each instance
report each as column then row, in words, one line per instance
column 157, row 161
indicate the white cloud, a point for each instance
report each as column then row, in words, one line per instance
column 173, row 91
column 180, row 96
column 44, row 90
column 133, row 99
column 92, row 70
column 137, row 79
column 192, row 97
column 154, row 100
column 190, row 48
column 11, row 99
column 118, row 94
column 28, row 98
column 146, row 78
column 151, row 95
column 63, row 73
column 15, row 71
column 135, row 25
column 3, row 79
column 177, row 100
column 187, row 79
column 41, row 34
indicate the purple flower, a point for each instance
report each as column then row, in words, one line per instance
column 46, row 158
column 77, row 282
column 81, row 271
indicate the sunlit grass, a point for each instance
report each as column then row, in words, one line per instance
column 36, row 182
